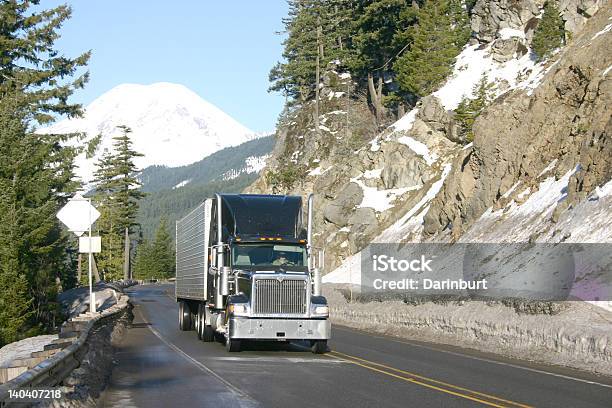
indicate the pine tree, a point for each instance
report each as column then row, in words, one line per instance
column 163, row 251
column 469, row 109
column 441, row 31
column 295, row 76
column 29, row 63
column 143, row 262
column 374, row 40
column 550, row 33
column 117, row 195
column 155, row 260
column 36, row 171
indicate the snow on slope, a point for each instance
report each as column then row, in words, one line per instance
column 252, row 164
column 171, row 125
column 517, row 222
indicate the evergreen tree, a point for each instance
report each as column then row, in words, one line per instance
column 550, row 33
column 36, row 171
column 295, row 77
column 143, row 261
column 441, row 31
column 374, row 41
column 155, row 260
column 163, row 251
column 117, row 195
column 29, row 63
column 469, row 109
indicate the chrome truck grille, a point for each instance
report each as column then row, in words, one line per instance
column 280, row 296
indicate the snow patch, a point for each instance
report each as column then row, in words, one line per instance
column 508, row 33
column 350, row 270
column 380, row 200
column 548, row 168
column 472, row 63
column 252, row 164
column 406, row 121
column 181, row 184
column 602, row 32
column 419, row 148
column 370, row 174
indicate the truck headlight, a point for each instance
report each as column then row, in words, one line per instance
column 238, row 309
column 321, row 310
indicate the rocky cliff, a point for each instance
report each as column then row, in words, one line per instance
column 539, row 162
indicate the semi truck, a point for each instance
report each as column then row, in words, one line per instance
column 246, row 269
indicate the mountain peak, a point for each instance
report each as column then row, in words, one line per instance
column 171, row 125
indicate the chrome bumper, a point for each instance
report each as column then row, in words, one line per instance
column 279, row 329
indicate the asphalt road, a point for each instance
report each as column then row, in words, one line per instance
column 160, row 366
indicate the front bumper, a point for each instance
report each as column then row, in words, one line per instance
column 279, row 329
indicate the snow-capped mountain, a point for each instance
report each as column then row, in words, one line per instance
column 171, row 125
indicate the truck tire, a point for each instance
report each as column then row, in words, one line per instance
column 198, row 323
column 319, row 346
column 184, row 316
column 205, row 332
column 232, row 345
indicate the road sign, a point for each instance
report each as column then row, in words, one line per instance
column 78, row 215
column 96, row 245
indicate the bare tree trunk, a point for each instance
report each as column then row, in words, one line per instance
column 401, row 110
column 375, row 96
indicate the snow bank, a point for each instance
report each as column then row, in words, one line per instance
column 577, row 336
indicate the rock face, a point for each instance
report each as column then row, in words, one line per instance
column 489, row 17
column 510, row 24
column 417, row 179
column 566, row 119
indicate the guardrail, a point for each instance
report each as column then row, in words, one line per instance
column 55, row 369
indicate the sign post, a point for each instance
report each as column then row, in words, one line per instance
column 79, row 215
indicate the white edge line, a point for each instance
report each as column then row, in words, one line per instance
column 535, row 370
column 195, row 362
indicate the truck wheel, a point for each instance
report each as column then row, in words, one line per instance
column 319, row 346
column 184, row 316
column 198, row 323
column 232, row 345
column 205, row 332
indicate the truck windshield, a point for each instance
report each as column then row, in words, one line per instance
column 269, row 256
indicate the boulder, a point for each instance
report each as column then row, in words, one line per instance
column 338, row 211
column 505, row 49
column 402, row 167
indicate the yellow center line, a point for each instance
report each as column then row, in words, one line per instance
column 367, row 364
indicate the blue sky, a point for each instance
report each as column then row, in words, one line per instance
column 222, row 50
